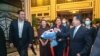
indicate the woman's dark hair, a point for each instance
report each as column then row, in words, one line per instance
column 47, row 25
column 88, row 18
column 56, row 20
column 65, row 19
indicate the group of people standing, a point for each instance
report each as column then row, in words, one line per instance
column 79, row 37
column 62, row 33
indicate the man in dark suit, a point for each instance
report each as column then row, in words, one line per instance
column 21, row 34
column 93, row 30
column 80, row 40
column 3, row 51
column 96, row 46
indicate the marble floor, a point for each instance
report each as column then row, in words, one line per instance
column 29, row 53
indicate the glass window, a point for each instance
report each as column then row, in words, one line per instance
column 46, row 14
column 40, row 14
column 34, row 15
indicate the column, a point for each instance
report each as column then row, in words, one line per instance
column 53, row 12
column 96, row 9
column 27, row 10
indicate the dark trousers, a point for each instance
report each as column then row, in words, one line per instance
column 3, row 51
column 59, row 49
column 22, row 50
column 74, row 53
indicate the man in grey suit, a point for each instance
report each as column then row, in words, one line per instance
column 96, row 46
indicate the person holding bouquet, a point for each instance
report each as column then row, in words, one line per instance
column 65, row 23
column 44, row 43
column 61, row 36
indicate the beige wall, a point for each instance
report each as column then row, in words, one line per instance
column 54, row 7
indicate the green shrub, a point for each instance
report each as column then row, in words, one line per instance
column 34, row 22
column 96, row 20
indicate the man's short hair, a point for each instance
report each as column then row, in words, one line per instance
column 18, row 12
column 79, row 17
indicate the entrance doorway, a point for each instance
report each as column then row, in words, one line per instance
column 68, row 14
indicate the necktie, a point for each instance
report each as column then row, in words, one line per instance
column 74, row 32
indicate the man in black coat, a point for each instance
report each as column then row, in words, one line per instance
column 2, row 43
column 93, row 30
column 80, row 40
column 21, row 34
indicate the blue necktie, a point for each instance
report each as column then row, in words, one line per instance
column 74, row 32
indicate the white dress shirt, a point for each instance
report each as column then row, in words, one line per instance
column 75, row 30
column 20, row 28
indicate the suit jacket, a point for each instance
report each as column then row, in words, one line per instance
column 96, row 46
column 81, row 43
column 93, row 33
column 63, row 34
column 2, row 44
column 27, row 34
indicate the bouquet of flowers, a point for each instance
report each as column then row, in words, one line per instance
column 51, row 35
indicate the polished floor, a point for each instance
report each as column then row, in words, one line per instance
column 29, row 53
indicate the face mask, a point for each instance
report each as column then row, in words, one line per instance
column 87, row 22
